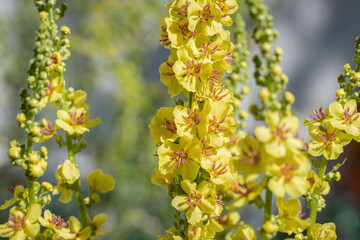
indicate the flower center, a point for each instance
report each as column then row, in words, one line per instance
column 11, row 189
column 194, row 198
column 214, row 125
column 18, row 223
column 169, row 125
column 76, row 120
column 348, row 117
column 214, row 78
column 217, row 94
column 48, row 130
column 205, row 14
column 241, row 189
column 185, row 31
column 57, row 221
column 329, row 137
column 207, row 49
column 193, row 68
column 207, row 150
column 251, row 156
column 193, row 117
column 318, row 116
column 287, row 171
column 218, row 169
column 280, row 132
column 179, row 157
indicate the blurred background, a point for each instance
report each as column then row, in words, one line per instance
column 115, row 59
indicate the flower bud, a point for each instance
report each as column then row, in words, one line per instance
column 21, row 118
column 357, row 76
column 266, row 47
column 34, row 157
column 277, row 69
column 44, row 151
column 36, row 130
column 95, row 198
column 65, row 30
column 43, row 15
column 347, row 67
column 245, row 89
column 284, row 78
column 14, row 143
column 34, row 103
column 289, row 97
column 244, row 114
column 340, row 93
column 47, row 186
column 264, row 93
column 278, row 51
column 270, row 227
column 36, row 170
column 43, row 164
column 14, row 152
column 337, row 176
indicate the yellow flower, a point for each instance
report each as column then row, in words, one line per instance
column 190, row 72
column 167, row 76
column 191, row 122
column 75, row 228
column 180, row 158
column 324, row 231
column 328, row 142
column 18, row 193
column 53, row 92
column 251, row 158
column 56, row 224
column 162, row 125
column 65, row 30
column 75, row 122
column 290, row 216
column 221, row 124
column 205, row 17
column 280, row 135
column 65, row 190
column 95, row 224
column 288, row 175
column 345, row 118
column 218, row 168
column 21, row 226
column 100, row 181
column 245, row 232
column 318, row 118
column 244, row 189
column 197, row 201
column 67, row 173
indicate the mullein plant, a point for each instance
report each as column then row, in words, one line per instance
column 28, row 216
column 210, row 169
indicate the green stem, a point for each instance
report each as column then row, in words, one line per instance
column 268, row 209
column 190, row 99
column 30, row 186
column 315, row 196
column 30, row 181
column 76, row 185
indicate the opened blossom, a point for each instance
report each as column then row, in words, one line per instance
column 75, row 122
